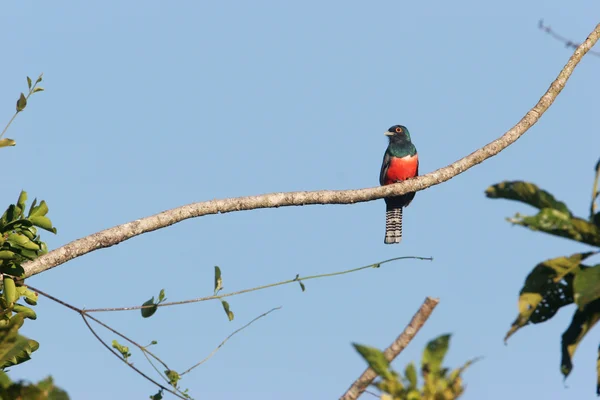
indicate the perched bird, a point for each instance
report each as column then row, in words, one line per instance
column 400, row 162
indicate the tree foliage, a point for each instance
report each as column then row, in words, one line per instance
column 560, row 281
column 42, row 390
column 437, row 382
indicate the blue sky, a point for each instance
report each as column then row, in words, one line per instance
column 152, row 105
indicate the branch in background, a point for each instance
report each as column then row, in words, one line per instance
column 144, row 349
column 83, row 315
column 298, row 279
column 568, row 43
column 416, row 323
column 120, row 233
column 227, row 338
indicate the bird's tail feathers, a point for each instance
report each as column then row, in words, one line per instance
column 393, row 225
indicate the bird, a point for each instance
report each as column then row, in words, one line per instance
column 400, row 162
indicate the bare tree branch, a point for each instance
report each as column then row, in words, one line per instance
column 120, row 233
column 83, row 315
column 567, row 42
column 416, row 323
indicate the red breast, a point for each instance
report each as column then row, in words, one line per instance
column 401, row 169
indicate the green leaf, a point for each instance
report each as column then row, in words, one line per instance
column 9, row 291
column 39, row 210
column 227, row 310
column 39, row 79
column 7, row 142
column 43, row 390
column 52, row 391
column 149, row 311
column 7, row 255
column 21, row 103
column 454, row 383
column 32, row 206
column 595, row 218
column 302, row 286
column 28, row 254
column 18, row 223
column 38, row 89
column 10, row 214
column 27, row 232
column 5, row 381
column 376, row 360
column 455, row 374
column 161, row 296
column 42, row 222
column 218, row 280
column 411, row 375
column 586, row 286
column 434, row 353
column 19, row 240
column 26, row 311
column 124, row 350
column 547, row 288
column 14, row 348
column 527, row 193
column 11, row 268
column 22, row 201
column 582, row 322
column 173, row 377
column 157, row 396
column 28, row 295
column 560, row 224
column 560, row 267
column 29, row 82
column 297, row 278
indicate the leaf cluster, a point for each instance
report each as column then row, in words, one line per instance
column 19, row 242
column 560, row 281
column 42, row 390
column 438, row 382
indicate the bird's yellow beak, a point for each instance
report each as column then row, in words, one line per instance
column 388, row 133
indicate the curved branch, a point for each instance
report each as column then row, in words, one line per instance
column 413, row 327
column 120, row 233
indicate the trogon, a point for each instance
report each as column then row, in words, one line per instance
column 400, row 162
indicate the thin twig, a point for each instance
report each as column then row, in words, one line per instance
column 154, row 366
column 85, row 316
column 31, row 89
column 143, row 349
column 229, row 337
column 123, row 360
column 96, row 320
column 416, row 323
column 270, row 285
column 120, row 233
column 567, row 42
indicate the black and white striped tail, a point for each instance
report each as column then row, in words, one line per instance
column 393, row 225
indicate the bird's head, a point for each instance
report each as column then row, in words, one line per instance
column 398, row 133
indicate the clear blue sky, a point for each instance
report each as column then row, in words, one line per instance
column 152, row 105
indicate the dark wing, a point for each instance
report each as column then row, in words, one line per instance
column 384, row 167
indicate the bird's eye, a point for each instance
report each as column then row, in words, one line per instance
column 398, row 130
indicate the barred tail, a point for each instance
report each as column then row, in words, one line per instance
column 393, row 225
